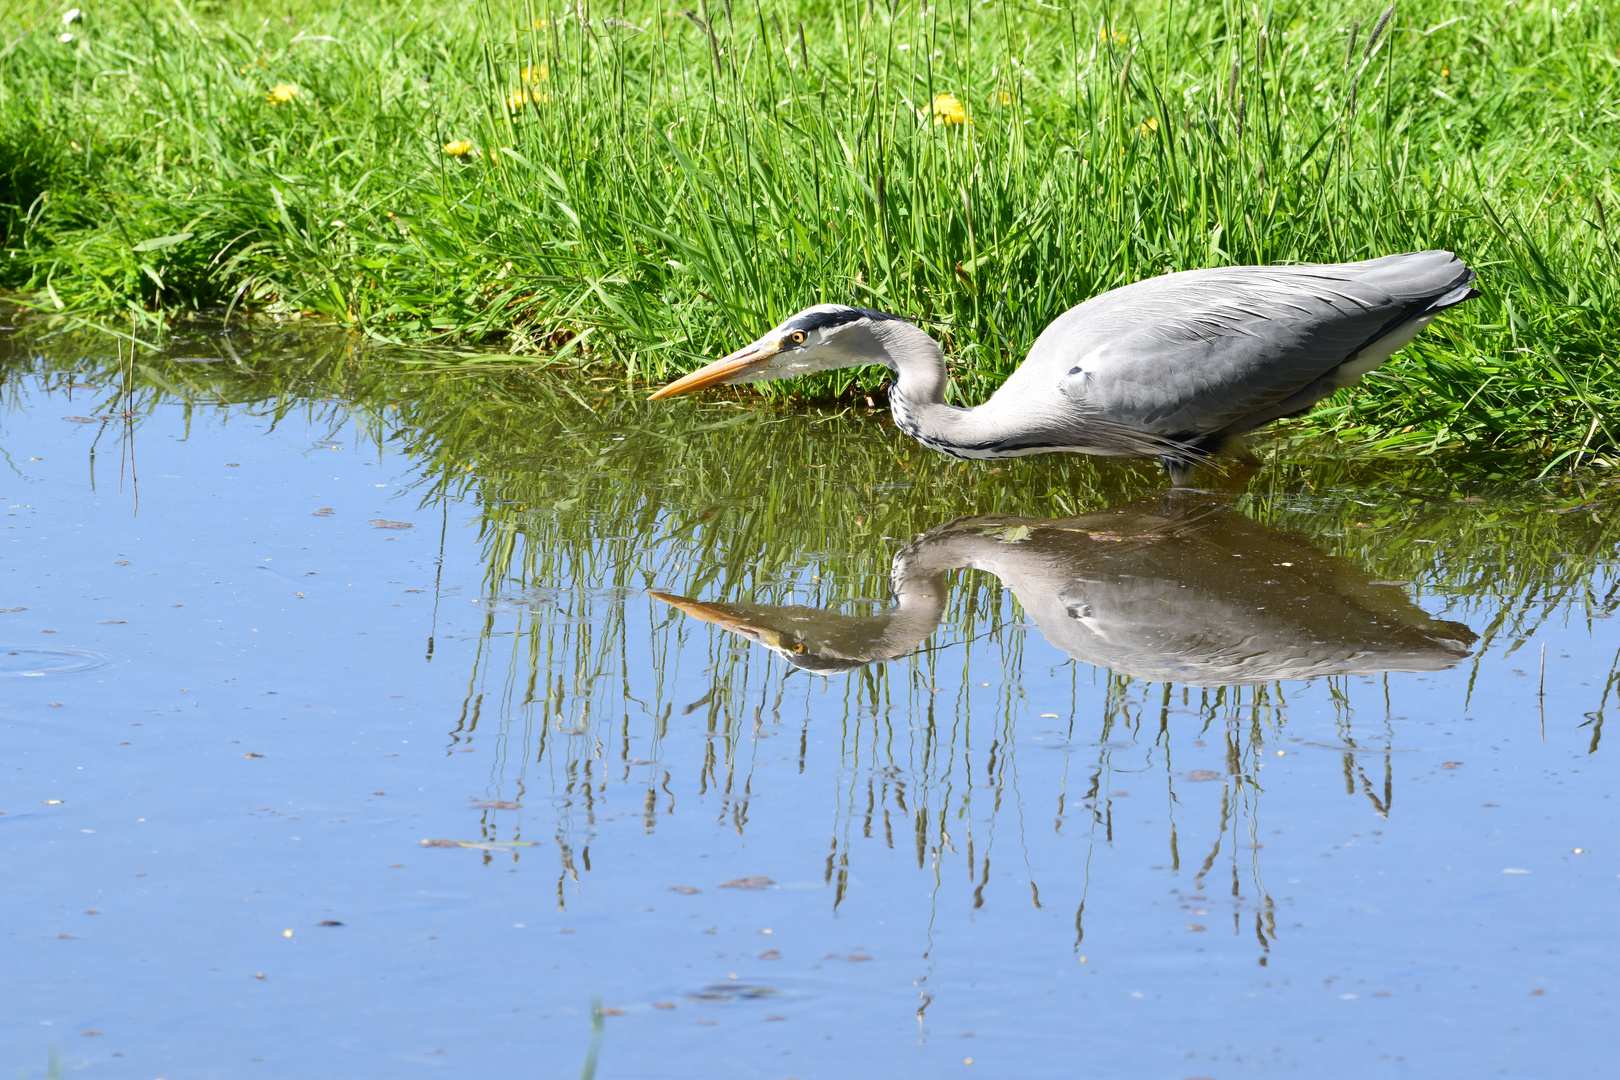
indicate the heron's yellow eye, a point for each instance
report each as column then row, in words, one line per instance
column 797, row 337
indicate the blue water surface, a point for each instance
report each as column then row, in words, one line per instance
column 239, row 694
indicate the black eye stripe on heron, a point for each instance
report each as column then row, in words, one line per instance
column 817, row 319
column 1176, row 367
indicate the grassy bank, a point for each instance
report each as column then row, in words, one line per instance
column 643, row 186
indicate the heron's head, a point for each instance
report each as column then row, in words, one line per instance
column 816, row 339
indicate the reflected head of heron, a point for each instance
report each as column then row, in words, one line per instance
column 818, row 338
column 775, row 629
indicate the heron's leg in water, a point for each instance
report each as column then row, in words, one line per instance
column 1181, row 472
column 1230, row 479
column 1235, row 478
column 1238, row 447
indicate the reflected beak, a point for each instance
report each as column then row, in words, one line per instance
column 731, row 619
column 718, row 614
column 726, row 369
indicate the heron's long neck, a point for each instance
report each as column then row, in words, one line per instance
column 917, row 398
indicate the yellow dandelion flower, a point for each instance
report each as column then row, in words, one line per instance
column 948, row 109
column 541, row 24
column 1147, row 127
column 517, row 100
column 1106, row 34
column 536, row 73
column 281, row 93
column 1445, row 73
column 458, row 148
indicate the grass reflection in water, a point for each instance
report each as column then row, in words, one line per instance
column 785, row 527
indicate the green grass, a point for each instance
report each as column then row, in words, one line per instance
column 675, row 182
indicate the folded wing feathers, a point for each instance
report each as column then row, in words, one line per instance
column 1197, row 351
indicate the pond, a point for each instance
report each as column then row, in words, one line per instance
column 380, row 713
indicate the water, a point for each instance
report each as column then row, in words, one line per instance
column 1117, row 783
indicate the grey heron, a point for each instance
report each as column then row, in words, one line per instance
column 1171, row 588
column 1174, row 367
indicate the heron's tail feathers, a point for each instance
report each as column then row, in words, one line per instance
column 1462, row 290
column 1417, row 275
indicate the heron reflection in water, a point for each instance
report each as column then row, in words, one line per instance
column 1171, row 588
column 1177, row 367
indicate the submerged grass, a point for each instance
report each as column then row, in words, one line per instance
column 642, row 186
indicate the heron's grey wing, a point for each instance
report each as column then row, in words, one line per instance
column 1224, row 350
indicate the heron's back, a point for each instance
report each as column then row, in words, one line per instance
column 1222, row 350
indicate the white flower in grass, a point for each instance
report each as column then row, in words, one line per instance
column 64, row 38
column 71, row 16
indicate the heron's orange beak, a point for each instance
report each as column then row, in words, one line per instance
column 722, row 370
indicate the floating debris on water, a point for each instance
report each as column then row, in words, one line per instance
column 748, row 883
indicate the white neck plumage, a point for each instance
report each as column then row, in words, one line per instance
column 917, row 398
column 1000, row 427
